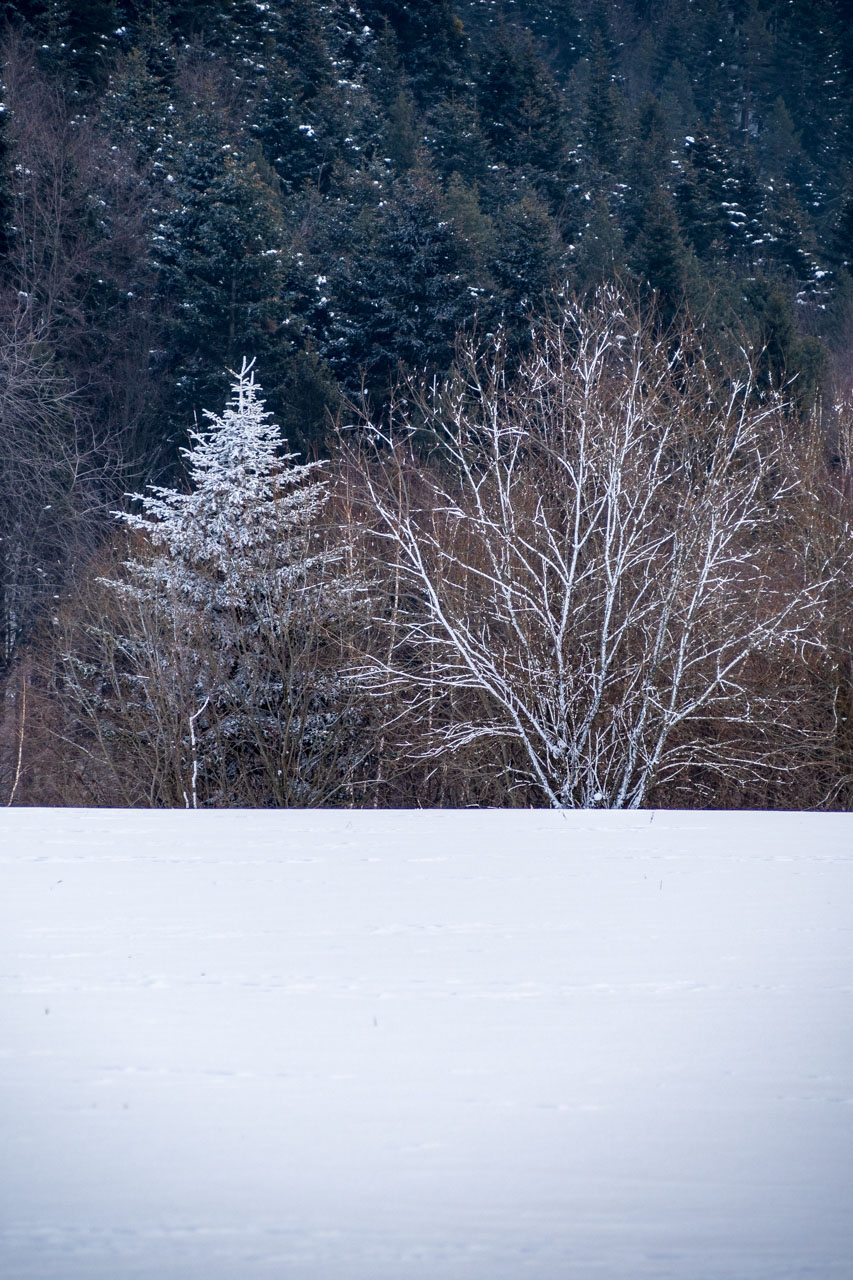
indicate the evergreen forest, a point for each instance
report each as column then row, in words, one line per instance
column 426, row 402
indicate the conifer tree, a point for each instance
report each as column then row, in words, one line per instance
column 701, row 194
column 475, row 228
column 32, row 12
column 528, row 259
column 236, row 593
column 296, row 129
column 659, row 256
column 399, row 297
column 781, row 148
column 85, row 31
column 809, row 74
column 226, row 272
column 137, row 100
column 456, row 140
column 557, row 28
column 842, row 242
column 430, row 39
column 601, row 252
column 244, row 525
column 648, row 166
column 520, row 105
column 603, row 108
column 677, row 103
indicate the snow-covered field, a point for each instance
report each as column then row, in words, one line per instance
column 425, row 1046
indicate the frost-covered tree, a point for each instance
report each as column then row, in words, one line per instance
column 589, row 568
column 246, row 524
column 219, row 668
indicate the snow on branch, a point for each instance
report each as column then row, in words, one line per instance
column 233, row 608
column 587, row 557
column 245, row 523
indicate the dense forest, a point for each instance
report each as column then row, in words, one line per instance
column 550, row 306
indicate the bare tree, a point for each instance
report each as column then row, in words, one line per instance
column 51, row 470
column 590, row 559
column 821, row 454
column 74, row 339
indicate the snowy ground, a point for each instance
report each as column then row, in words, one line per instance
column 425, row 1046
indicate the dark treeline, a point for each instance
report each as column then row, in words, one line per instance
column 340, row 190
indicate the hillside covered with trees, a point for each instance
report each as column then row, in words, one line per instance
column 552, row 304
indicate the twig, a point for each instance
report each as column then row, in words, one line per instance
column 20, row 738
column 193, row 719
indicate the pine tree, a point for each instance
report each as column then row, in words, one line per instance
column 647, row 168
column 401, row 133
column 659, row 256
column 709, row 39
column 781, row 149
column 808, row 73
column 557, row 28
column 397, row 291
column 136, row 104
column 205, row 18
column 842, row 242
column 677, row 103
column 243, row 527
column 601, row 251
column 298, row 131
column 520, row 105
column 527, row 262
column 227, row 275
column 476, row 229
column 430, row 39
column 701, row 195
column 789, row 239
column 34, row 13
column 240, row 589
column 86, row 35
column 604, row 108
column 456, row 141
column 785, row 361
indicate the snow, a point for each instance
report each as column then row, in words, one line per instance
column 320, row 1045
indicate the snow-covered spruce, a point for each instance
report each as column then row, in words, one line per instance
column 237, row 598
column 245, row 527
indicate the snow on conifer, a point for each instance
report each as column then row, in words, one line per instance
column 245, row 526
column 235, row 607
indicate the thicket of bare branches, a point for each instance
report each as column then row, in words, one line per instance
column 614, row 576
column 595, row 559
column 820, row 452
column 74, row 382
column 51, row 475
column 153, row 711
